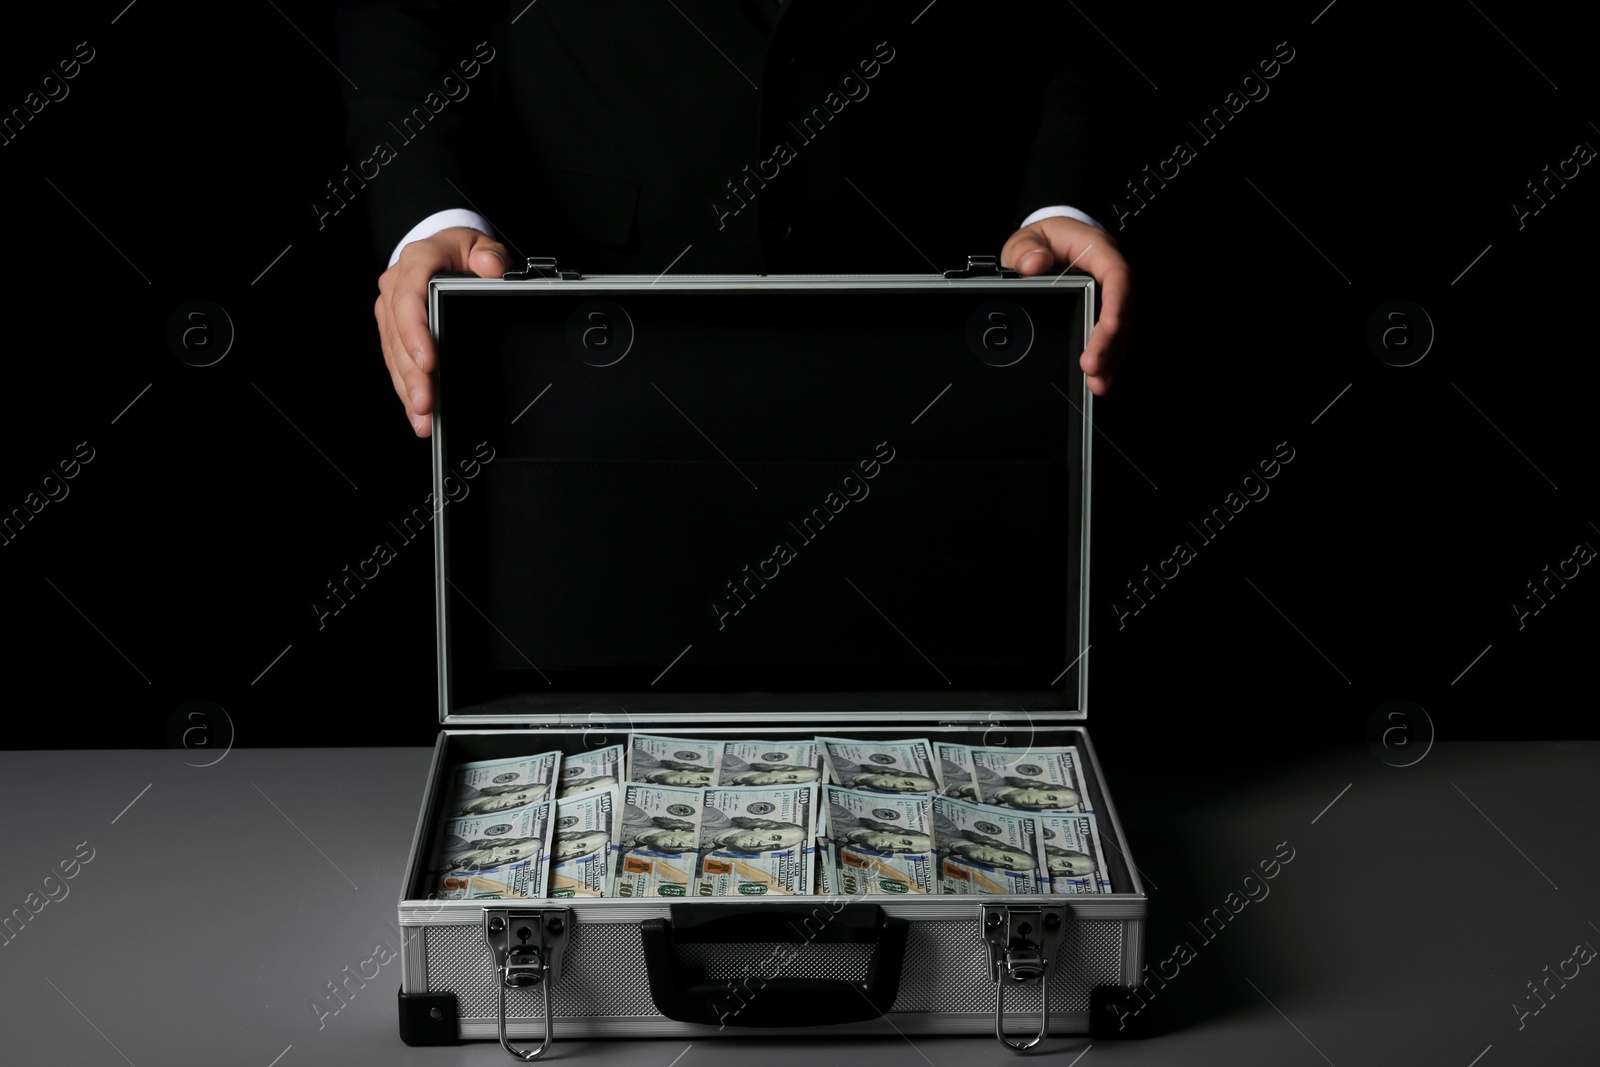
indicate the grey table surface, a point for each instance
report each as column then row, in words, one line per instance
column 1420, row 904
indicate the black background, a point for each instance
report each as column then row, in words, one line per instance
column 183, row 563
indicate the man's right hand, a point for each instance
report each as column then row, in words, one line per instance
column 402, row 310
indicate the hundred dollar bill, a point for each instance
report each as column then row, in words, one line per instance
column 496, row 855
column 882, row 766
column 770, row 763
column 758, row 840
column 500, row 784
column 656, row 851
column 581, row 855
column 674, row 761
column 1072, row 854
column 880, row 843
column 955, row 770
column 1033, row 779
column 985, row 849
column 590, row 770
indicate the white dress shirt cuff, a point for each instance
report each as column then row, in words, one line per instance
column 443, row 220
column 1060, row 211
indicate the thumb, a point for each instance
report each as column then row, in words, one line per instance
column 488, row 258
column 1028, row 253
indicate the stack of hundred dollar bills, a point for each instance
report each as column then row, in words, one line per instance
column 685, row 817
column 718, row 818
column 530, row 826
column 910, row 816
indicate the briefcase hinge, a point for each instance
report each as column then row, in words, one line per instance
column 982, row 267
column 542, row 267
column 527, row 945
column 1023, row 942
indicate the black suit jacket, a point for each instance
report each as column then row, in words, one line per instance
column 741, row 136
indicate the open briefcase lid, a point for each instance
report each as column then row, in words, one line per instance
column 760, row 499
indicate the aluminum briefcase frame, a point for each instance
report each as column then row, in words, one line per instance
column 583, row 512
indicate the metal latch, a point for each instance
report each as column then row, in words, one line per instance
column 542, row 267
column 982, row 267
column 526, row 945
column 1023, row 942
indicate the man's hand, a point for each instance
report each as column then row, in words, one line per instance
column 402, row 310
column 1055, row 244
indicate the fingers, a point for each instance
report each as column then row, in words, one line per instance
column 402, row 313
column 488, row 257
column 408, row 303
column 403, row 322
column 1108, row 344
column 399, row 366
column 380, row 311
column 1028, row 252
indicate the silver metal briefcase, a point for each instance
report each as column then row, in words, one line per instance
column 619, row 464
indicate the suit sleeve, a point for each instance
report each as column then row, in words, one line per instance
column 1058, row 167
column 419, row 102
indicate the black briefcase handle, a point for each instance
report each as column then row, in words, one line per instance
column 765, row 996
